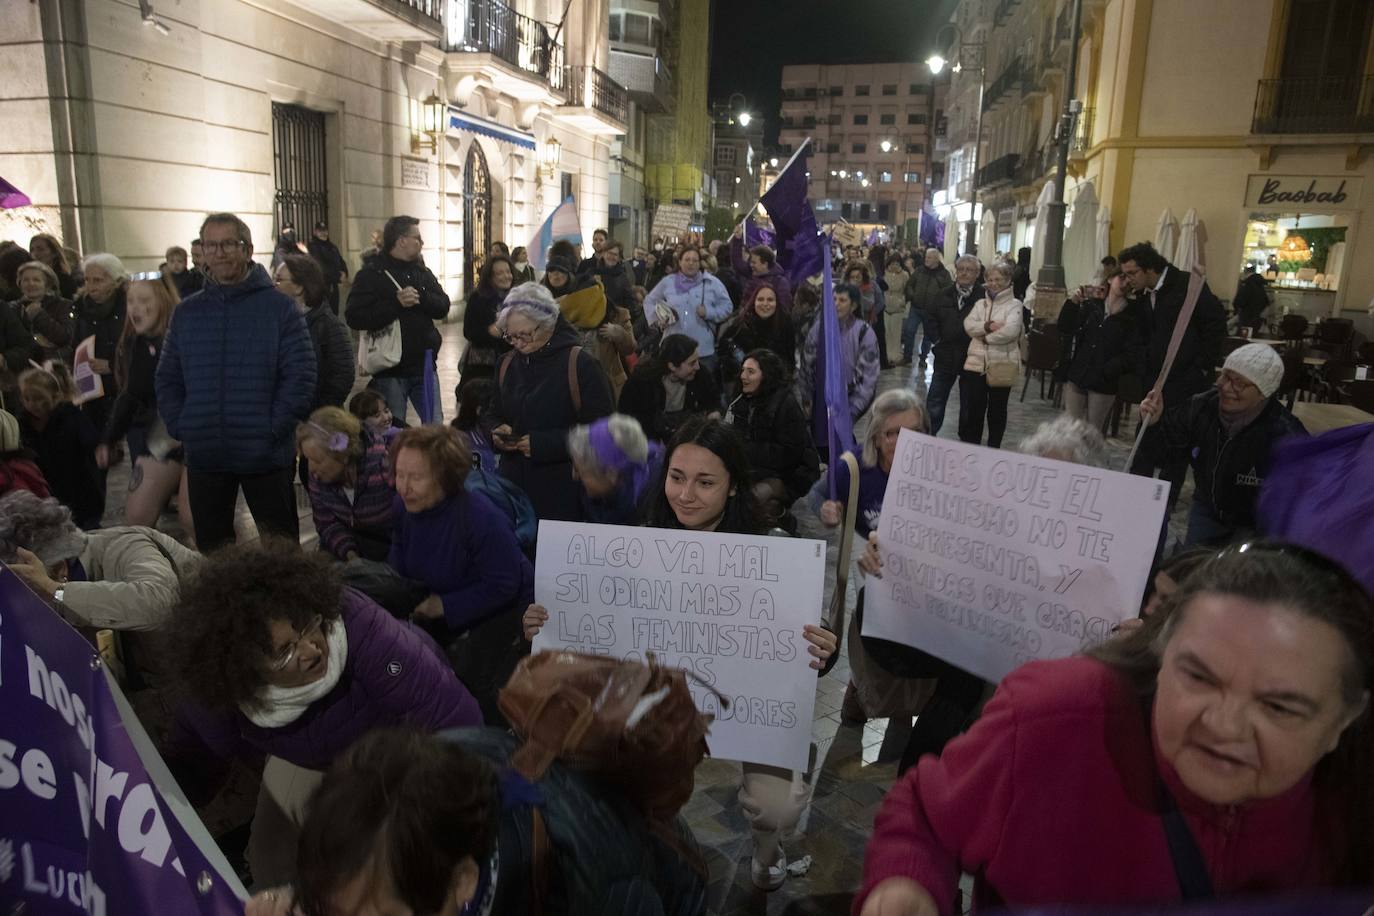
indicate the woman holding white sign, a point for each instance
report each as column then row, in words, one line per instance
column 705, row 487
column 1222, row 749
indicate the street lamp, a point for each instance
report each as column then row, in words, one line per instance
column 744, row 118
column 969, row 54
column 886, row 146
column 427, row 124
column 774, row 163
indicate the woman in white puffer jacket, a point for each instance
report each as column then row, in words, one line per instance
column 994, row 327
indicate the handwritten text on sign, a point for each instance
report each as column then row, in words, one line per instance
column 992, row 559
column 728, row 608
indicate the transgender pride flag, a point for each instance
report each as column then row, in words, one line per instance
column 561, row 224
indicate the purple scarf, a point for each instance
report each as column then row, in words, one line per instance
column 612, row 458
column 682, row 283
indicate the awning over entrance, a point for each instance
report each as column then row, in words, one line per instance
column 462, row 121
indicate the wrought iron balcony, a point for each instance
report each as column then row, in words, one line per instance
column 491, row 27
column 594, row 89
column 390, row 20
column 1082, row 132
column 1008, row 83
column 999, row 171
column 1315, row 105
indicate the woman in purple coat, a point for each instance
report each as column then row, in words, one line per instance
column 278, row 658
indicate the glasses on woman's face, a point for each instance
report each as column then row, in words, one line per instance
column 1238, row 384
column 287, row 654
column 518, row 337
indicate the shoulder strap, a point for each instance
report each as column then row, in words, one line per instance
column 1190, row 868
column 505, row 364
column 573, row 387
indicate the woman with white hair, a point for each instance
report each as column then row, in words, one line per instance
column 614, row 462
column 1067, row 438
column 545, row 386
column 994, row 358
column 100, row 312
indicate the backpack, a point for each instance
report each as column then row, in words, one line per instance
column 507, row 497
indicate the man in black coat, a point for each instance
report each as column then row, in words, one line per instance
column 331, row 262
column 1159, row 289
column 953, row 306
column 397, row 286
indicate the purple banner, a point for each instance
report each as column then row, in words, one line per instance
column 932, row 230
column 794, row 222
column 754, row 234
column 833, row 376
column 84, row 827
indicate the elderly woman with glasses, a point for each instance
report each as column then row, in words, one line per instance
column 277, row 657
column 1229, row 432
column 547, row 385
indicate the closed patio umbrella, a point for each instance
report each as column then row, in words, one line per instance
column 1189, row 252
column 1080, row 240
column 1166, row 234
column 951, row 236
column 987, row 237
column 1103, row 244
column 1042, row 229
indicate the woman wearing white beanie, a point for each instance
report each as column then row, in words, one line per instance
column 1230, row 432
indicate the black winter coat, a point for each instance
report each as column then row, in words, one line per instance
column 331, row 262
column 777, row 439
column 480, row 314
column 55, row 323
column 372, row 305
column 951, row 350
column 775, row 333
column 643, row 398
column 136, row 404
column 66, row 455
column 105, row 322
column 333, row 357
column 1105, row 347
column 617, row 283
column 1228, row 471
column 1251, row 301
column 1200, row 352
column 533, row 397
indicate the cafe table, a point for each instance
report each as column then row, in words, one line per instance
column 1321, row 418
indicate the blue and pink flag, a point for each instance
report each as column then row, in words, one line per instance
column 796, row 233
column 561, row 224
column 831, row 377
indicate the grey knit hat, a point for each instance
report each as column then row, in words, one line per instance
column 1259, row 364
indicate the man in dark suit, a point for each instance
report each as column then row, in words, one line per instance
column 1158, row 290
column 952, row 305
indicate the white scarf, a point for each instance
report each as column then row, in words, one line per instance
column 283, row 705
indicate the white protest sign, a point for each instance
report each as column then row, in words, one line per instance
column 728, row 607
column 671, row 220
column 992, row 559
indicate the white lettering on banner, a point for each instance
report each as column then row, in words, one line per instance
column 79, row 889
column 992, row 559
column 716, row 605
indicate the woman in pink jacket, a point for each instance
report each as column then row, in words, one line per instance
column 1219, row 750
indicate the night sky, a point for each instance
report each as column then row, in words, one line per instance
column 752, row 39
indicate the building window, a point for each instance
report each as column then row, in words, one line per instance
column 298, row 151
column 833, row 119
column 887, row 119
column 890, row 89
column 832, row 147
column 859, row 148
column 837, row 91
column 915, row 119
column 885, row 177
column 785, row 149
column 725, row 155
column 615, row 26
column 723, row 181
column 919, row 88
column 884, row 212
column 915, row 148
column 846, row 210
column 861, row 119
column 912, row 177
column 637, row 29
column 861, row 90
column 865, row 212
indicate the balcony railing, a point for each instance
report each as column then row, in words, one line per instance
column 1008, row 81
column 1082, row 132
column 491, row 27
column 595, row 89
column 1004, row 9
column 1315, row 105
column 434, row 9
column 998, row 171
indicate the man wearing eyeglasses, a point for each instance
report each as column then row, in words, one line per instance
column 397, row 288
column 237, row 373
column 1230, row 432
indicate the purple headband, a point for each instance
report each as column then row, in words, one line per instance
column 334, row 441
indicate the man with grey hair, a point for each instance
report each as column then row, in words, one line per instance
column 924, row 292
column 956, row 301
column 237, row 373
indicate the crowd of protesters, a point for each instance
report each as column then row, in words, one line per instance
column 673, row 386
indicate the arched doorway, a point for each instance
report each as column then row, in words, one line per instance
column 476, row 215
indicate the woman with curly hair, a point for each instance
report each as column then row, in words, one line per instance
column 279, row 658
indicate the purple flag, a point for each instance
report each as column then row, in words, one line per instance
column 11, row 197
column 754, row 234
column 873, row 238
column 1317, row 494
column 93, row 823
column 831, row 378
column 932, row 231
column 794, row 224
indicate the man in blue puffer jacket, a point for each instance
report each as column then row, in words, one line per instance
column 237, row 374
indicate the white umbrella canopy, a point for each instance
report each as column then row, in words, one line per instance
column 987, row 237
column 1166, row 234
column 1189, row 254
column 1042, row 228
column 1104, row 235
column 1080, row 241
column 951, row 236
